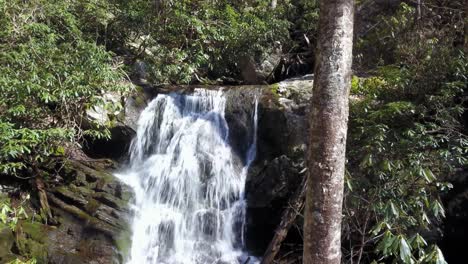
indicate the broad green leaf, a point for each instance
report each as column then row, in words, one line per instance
column 428, row 175
column 405, row 251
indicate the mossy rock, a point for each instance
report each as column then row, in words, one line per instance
column 93, row 204
column 274, row 90
column 6, row 244
column 124, row 243
column 140, row 97
column 4, row 198
column 111, row 201
column 32, row 239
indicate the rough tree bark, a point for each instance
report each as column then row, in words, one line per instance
column 328, row 128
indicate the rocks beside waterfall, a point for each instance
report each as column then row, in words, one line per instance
column 123, row 123
column 279, row 166
column 282, row 131
column 281, row 144
column 85, row 221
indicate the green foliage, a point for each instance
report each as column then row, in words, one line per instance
column 18, row 261
column 399, row 37
column 304, row 15
column 406, row 136
column 10, row 215
column 406, row 139
column 51, row 71
column 182, row 41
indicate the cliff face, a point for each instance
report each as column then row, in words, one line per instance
column 279, row 166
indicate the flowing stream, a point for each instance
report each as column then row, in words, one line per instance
column 188, row 183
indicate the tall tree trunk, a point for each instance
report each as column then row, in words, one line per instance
column 328, row 128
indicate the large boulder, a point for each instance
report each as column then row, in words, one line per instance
column 255, row 70
column 123, row 123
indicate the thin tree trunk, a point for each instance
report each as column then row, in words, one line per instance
column 465, row 22
column 296, row 203
column 419, row 11
column 328, row 128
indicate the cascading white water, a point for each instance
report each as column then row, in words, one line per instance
column 188, row 183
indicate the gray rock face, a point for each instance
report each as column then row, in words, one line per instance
column 260, row 70
column 279, row 166
column 124, row 127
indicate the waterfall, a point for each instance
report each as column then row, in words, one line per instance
column 188, row 183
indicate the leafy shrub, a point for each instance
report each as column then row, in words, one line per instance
column 51, row 72
column 406, row 137
column 10, row 215
column 406, row 140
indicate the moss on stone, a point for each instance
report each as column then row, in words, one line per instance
column 85, row 191
column 111, row 200
column 123, row 243
column 140, row 98
column 32, row 249
column 92, row 206
column 6, row 243
column 35, row 231
column 274, row 89
column 32, row 239
column 82, row 215
column 126, row 196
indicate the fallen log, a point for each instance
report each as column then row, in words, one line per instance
column 296, row 203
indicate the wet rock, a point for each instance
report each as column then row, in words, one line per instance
column 278, row 169
column 275, row 182
column 240, row 105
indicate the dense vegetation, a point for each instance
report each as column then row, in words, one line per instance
column 407, row 138
column 52, row 71
column 59, row 58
